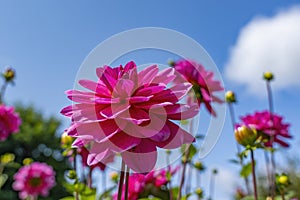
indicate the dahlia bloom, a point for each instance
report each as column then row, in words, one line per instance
column 130, row 113
column 9, row 121
column 203, row 83
column 138, row 182
column 269, row 124
column 34, row 180
column 84, row 153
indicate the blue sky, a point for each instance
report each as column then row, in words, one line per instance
column 46, row 42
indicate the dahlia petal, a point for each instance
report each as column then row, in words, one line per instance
column 179, row 111
column 95, row 87
column 114, row 110
column 165, row 76
column 143, row 158
column 123, row 88
column 139, row 99
column 162, row 135
column 177, row 137
column 147, row 75
column 149, row 90
column 103, row 157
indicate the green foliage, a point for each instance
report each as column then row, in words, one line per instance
column 246, row 170
column 37, row 139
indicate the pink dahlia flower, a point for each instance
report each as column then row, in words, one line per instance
column 138, row 183
column 269, row 125
column 131, row 113
column 34, row 180
column 9, row 121
column 203, row 83
column 84, row 153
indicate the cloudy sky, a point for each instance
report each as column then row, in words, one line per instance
column 46, row 42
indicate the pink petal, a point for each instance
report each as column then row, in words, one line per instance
column 95, row 87
column 165, row 76
column 143, row 158
column 177, row 138
column 147, row 75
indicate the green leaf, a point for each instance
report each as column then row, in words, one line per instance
column 3, row 179
column 246, row 170
column 107, row 193
column 67, row 198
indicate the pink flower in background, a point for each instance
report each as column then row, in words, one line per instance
column 138, row 182
column 203, row 83
column 34, row 180
column 131, row 113
column 269, row 125
column 9, row 121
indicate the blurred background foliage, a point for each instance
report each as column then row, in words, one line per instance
column 39, row 140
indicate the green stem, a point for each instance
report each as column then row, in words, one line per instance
column 75, row 169
column 185, row 161
column 273, row 168
column 2, row 91
column 169, row 170
column 253, row 174
column 121, row 181
column 127, row 182
column 241, row 160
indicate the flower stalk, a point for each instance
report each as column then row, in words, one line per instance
column 121, row 181
column 253, row 174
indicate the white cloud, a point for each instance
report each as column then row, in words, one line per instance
column 267, row 44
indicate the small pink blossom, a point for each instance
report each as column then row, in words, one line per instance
column 138, row 182
column 203, row 82
column 131, row 113
column 269, row 124
column 34, row 180
column 9, row 121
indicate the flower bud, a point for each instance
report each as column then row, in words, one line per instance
column 72, row 174
column 230, row 97
column 245, row 135
column 199, row 192
column 27, row 161
column 283, row 179
column 215, row 171
column 9, row 74
column 7, row 158
column 268, row 76
column 114, row 176
column 199, row 166
column 65, row 140
column 171, row 63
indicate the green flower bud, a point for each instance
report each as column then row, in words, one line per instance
column 199, row 192
column 246, row 136
column 9, row 74
column 215, row 171
column 268, row 76
column 199, row 166
column 230, row 97
column 27, row 161
column 66, row 141
column 283, row 179
column 171, row 63
column 7, row 158
column 114, row 176
column 72, row 174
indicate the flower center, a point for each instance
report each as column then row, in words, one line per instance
column 36, row 181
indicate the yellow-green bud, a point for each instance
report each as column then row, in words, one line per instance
column 283, row 179
column 9, row 74
column 171, row 63
column 168, row 151
column 199, row 166
column 199, row 192
column 114, row 176
column 27, row 161
column 246, row 136
column 268, row 76
column 230, row 97
column 269, row 198
column 72, row 174
column 7, row 158
column 65, row 140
